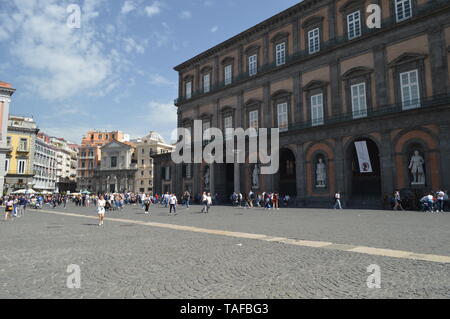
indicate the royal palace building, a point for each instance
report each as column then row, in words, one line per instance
column 362, row 108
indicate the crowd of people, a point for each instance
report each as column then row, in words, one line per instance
column 16, row 205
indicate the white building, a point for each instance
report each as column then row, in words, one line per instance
column 44, row 164
column 6, row 91
column 66, row 169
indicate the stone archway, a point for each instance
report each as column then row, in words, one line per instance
column 287, row 178
column 364, row 188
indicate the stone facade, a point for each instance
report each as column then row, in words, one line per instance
column 21, row 140
column 146, row 147
column 6, row 92
column 90, row 155
column 386, row 87
column 117, row 171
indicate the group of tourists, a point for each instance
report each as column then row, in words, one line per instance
column 15, row 205
column 265, row 199
column 434, row 201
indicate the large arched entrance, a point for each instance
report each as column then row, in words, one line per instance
column 364, row 174
column 287, row 183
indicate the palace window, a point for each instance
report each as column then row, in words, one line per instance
column 6, row 165
column 206, row 126
column 188, row 89
column 317, row 109
column 409, row 87
column 228, row 124
column 280, row 51
column 252, row 65
column 228, row 71
column 314, row 40
column 354, row 25
column 206, row 83
column 403, row 10
column 282, row 112
column 359, row 105
column 253, row 119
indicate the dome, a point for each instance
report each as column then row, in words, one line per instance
column 155, row 137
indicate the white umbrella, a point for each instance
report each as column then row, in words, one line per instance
column 20, row 191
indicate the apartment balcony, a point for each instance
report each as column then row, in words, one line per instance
column 22, row 150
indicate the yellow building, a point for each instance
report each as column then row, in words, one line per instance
column 20, row 141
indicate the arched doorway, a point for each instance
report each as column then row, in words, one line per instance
column 364, row 187
column 287, row 183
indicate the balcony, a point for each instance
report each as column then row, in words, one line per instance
column 327, row 46
column 425, row 103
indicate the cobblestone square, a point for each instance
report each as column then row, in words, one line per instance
column 228, row 253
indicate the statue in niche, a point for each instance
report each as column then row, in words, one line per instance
column 321, row 174
column 416, row 167
column 255, row 176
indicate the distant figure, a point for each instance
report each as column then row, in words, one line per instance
column 337, row 198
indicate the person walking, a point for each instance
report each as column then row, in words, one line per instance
column 337, row 198
column 147, row 205
column 208, row 202
column 204, row 202
column 101, row 204
column 9, row 206
column 187, row 199
column 276, row 201
column 440, row 201
column 397, row 200
column 173, row 204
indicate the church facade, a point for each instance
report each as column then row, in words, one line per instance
column 363, row 111
column 117, row 171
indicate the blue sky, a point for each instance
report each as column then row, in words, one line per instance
column 116, row 71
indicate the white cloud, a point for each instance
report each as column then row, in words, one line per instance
column 214, row 29
column 131, row 45
column 162, row 124
column 153, row 9
column 159, row 80
column 128, row 6
column 186, row 15
column 59, row 61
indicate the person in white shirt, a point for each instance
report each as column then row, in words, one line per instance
column 337, row 197
column 204, row 202
column 208, row 202
column 173, row 201
column 440, row 201
column 101, row 203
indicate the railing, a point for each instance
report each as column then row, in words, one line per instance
column 326, row 46
column 434, row 101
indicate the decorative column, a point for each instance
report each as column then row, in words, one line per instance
column 379, row 53
column 300, row 174
column 387, row 165
column 438, row 59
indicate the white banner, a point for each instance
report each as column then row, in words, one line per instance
column 363, row 157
